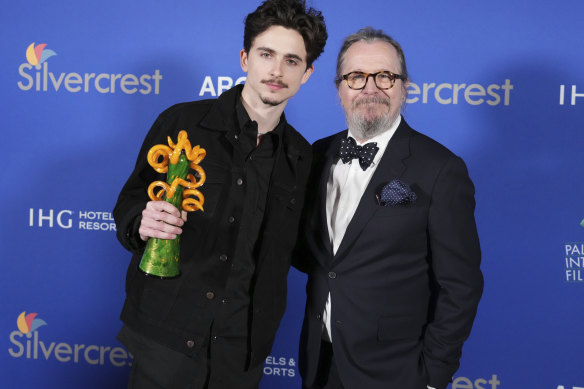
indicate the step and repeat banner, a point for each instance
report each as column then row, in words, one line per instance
column 500, row 83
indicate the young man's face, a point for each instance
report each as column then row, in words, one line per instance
column 275, row 66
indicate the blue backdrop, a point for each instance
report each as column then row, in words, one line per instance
column 499, row 82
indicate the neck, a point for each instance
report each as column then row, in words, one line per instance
column 358, row 138
column 361, row 139
column 267, row 116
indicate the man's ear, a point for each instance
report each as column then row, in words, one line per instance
column 307, row 74
column 243, row 60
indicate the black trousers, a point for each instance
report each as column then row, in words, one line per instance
column 158, row 367
column 327, row 375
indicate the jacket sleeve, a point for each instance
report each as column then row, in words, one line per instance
column 455, row 262
column 133, row 196
column 302, row 256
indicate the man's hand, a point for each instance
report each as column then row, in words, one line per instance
column 161, row 220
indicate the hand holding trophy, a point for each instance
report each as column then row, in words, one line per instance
column 161, row 256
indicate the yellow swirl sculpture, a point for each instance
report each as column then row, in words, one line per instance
column 161, row 257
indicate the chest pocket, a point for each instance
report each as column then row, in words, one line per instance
column 283, row 213
column 216, row 177
column 284, row 197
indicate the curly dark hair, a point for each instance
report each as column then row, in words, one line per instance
column 289, row 14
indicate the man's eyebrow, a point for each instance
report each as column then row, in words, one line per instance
column 289, row 56
column 271, row 51
column 294, row 56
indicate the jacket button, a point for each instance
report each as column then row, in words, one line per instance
column 210, row 295
column 236, row 136
column 339, row 322
column 231, row 219
column 318, row 317
column 332, row 275
column 292, row 201
column 190, row 343
column 223, row 257
column 239, row 182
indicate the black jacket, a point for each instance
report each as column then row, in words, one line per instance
column 178, row 313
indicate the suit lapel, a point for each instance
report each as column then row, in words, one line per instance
column 330, row 157
column 392, row 165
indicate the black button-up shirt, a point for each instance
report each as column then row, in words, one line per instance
column 257, row 162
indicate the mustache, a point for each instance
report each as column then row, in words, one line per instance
column 275, row 82
column 371, row 100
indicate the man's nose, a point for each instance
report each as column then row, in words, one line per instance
column 370, row 87
column 276, row 69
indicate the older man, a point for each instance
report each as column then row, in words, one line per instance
column 389, row 239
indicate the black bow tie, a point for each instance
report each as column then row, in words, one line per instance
column 350, row 150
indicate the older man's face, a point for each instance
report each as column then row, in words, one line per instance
column 372, row 107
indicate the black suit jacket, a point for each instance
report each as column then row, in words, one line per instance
column 405, row 282
column 178, row 313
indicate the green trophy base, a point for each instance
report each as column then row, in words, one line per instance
column 161, row 258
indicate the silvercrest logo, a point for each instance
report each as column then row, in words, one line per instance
column 36, row 76
column 471, row 94
column 26, row 343
column 478, row 383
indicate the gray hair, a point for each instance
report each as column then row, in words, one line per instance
column 368, row 35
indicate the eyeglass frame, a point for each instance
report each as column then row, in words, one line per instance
column 392, row 77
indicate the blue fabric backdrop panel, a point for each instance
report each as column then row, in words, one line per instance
column 500, row 83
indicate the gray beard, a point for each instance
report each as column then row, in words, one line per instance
column 366, row 129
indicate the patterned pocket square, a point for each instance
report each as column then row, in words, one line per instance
column 397, row 192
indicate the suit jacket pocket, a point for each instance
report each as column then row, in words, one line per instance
column 399, row 327
column 390, row 211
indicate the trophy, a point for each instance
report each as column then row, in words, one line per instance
column 161, row 256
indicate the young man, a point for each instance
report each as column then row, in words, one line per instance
column 213, row 326
column 390, row 242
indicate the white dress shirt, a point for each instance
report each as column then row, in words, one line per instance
column 345, row 187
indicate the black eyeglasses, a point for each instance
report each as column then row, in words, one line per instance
column 383, row 80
